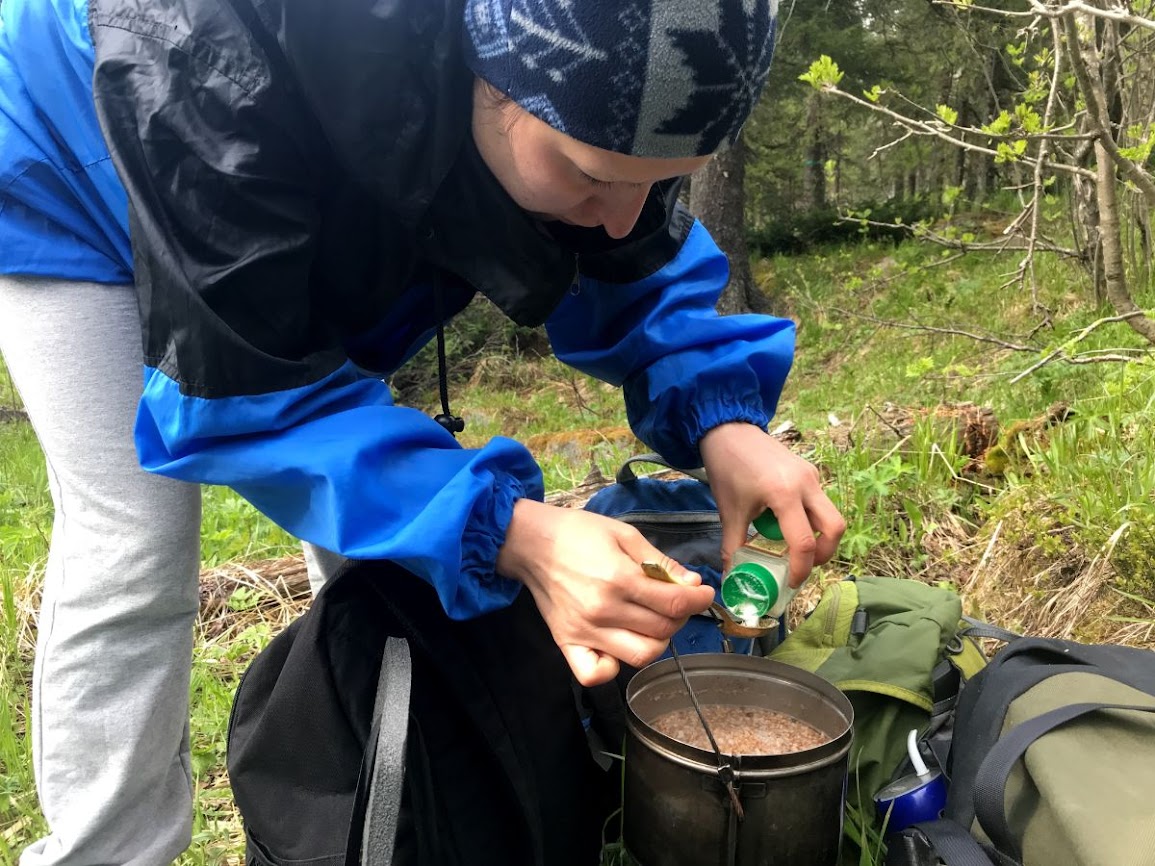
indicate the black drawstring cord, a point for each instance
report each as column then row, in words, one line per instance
column 452, row 423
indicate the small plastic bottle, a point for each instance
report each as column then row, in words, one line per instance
column 756, row 585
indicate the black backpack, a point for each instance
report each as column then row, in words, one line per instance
column 465, row 746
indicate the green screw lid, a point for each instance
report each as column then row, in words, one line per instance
column 749, row 585
column 767, row 525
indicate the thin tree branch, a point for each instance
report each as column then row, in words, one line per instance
column 1062, row 350
column 1113, row 13
column 893, row 429
column 936, row 130
column 965, row 246
column 908, row 134
column 954, row 332
column 1040, row 9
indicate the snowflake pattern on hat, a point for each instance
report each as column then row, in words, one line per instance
column 549, row 37
column 725, row 93
column 485, row 26
column 666, row 78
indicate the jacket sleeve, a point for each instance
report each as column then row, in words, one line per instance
column 684, row 368
column 245, row 384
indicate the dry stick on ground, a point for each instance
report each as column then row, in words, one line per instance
column 976, row 573
column 893, row 429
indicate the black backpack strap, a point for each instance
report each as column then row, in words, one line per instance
column 377, row 803
column 391, row 721
column 953, row 844
column 626, row 473
column 976, row 628
column 991, row 779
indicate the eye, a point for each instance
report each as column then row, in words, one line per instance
column 601, row 184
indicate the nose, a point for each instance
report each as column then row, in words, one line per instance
column 620, row 211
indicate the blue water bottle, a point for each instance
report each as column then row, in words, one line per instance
column 914, row 798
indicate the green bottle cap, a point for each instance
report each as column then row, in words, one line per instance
column 749, row 589
column 767, row 525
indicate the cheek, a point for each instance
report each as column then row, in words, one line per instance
column 546, row 185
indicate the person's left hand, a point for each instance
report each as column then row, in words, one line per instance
column 751, row 471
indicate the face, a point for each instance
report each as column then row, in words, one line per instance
column 556, row 177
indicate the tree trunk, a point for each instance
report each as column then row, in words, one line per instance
column 718, row 199
column 1111, row 245
column 1096, row 79
column 1088, row 236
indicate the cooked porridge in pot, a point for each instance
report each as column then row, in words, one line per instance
column 740, row 730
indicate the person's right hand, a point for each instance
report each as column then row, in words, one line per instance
column 584, row 571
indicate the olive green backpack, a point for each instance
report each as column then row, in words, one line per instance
column 1052, row 763
column 900, row 650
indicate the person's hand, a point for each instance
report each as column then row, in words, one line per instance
column 750, row 471
column 584, row 572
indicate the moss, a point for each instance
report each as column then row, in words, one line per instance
column 1133, row 558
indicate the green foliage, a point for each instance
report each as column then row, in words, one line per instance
column 909, row 42
column 946, row 114
column 231, row 529
column 25, row 525
column 1010, row 151
column 823, row 73
column 1001, row 125
column 793, row 233
column 1142, row 151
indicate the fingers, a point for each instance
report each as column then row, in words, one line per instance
column 594, row 665
column 590, row 667
column 811, row 532
column 668, row 600
column 830, row 526
column 643, row 620
column 801, row 544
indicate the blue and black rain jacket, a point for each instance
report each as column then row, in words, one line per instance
column 301, row 189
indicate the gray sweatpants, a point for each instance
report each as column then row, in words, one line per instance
column 111, row 677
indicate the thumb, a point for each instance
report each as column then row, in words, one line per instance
column 637, row 548
column 590, row 667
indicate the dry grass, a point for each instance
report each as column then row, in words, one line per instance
column 273, row 592
column 1019, row 585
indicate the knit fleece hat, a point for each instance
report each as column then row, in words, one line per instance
column 653, row 78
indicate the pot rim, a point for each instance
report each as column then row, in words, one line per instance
column 705, row 760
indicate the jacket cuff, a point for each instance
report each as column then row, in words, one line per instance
column 480, row 588
column 680, row 442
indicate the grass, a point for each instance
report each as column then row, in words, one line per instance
column 1056, row 536
column 25, row 525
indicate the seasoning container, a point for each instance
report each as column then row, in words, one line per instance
column 756, row 585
